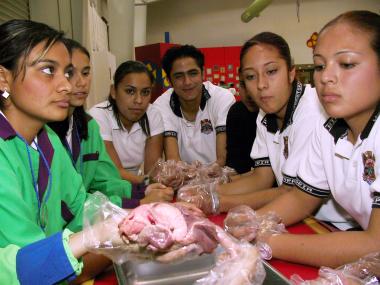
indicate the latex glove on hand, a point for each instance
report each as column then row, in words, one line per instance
column 158, row 192
column 168, row 173
column 360, row 272
column 327, row 276
column 239, row 264
column 204, row 196
column 101, row 221
column 243, row 223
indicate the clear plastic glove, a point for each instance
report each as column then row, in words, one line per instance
column 243, row 223
column 361, row 272
column 190, row 171
column 204, row 196
column 215, row 173
column 212, row 170
column 168, row 173
column 101, row 221
column 227, row 173
column 239, row 264
column 158, row 192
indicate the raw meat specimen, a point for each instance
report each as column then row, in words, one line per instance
column 174, row 230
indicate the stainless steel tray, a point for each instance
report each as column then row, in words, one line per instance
column 185, row 273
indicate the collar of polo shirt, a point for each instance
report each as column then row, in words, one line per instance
column 338, row 128
column 175, row 105
column 270, row 121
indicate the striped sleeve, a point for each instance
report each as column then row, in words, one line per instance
column 309, row 189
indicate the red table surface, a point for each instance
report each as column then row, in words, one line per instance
column 286, row 268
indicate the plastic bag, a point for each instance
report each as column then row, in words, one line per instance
column 101, row 221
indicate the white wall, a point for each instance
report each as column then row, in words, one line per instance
column 211, row 23
column 121, row 18
column 140, row 25
column 54, row 13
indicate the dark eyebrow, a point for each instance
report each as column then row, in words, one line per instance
column 339, row 53
column 43, row 60
column 348, row 51
column 252, row 69
column 187, row 71
column 130, row 86
column 269, row 63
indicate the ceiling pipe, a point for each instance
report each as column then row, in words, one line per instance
column 254, row 9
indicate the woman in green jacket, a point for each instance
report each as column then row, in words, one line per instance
column 42, row 196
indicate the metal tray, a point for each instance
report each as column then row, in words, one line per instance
column 185, row 273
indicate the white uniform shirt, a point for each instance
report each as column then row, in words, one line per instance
column 196, row 140
column 282, row 150
column 130, row 146
column 349, row 172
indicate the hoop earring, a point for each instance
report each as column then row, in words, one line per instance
column 5, row 94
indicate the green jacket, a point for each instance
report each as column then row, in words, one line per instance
column 96, row 167
column 20, row 222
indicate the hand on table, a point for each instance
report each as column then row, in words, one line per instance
column 158, row 192
column 243, row 223
column 203, row 196
column 168, row 173
column 360, row 272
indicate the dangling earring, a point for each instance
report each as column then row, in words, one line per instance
column 5, row 94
